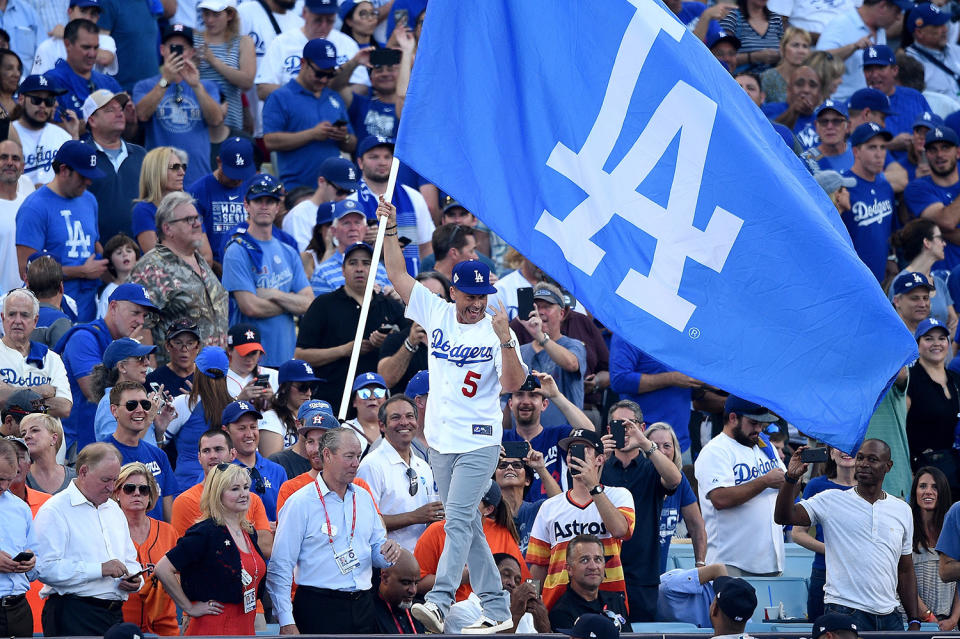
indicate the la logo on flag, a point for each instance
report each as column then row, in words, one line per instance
column 631, row 167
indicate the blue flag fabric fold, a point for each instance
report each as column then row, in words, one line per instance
column 606, row 143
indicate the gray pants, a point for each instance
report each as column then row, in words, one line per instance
column 463, row 479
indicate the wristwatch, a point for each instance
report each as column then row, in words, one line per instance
column 653, row 448
column 163, row 84
column 597, row 490
column 511, row 344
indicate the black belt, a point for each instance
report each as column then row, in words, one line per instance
column 106, row 604
column 11, row 600
column 352, row 595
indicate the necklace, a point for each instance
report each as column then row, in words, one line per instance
column 883, row 494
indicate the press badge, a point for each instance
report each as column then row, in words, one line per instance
column 347, row 561
column 249, row 600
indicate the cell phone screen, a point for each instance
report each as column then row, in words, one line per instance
column 578, row 451
column 516, row 450
column 524, row 302
column 618, row 428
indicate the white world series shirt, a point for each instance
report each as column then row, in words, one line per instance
column 15, row 371
column 465, row 362
column 744, row 536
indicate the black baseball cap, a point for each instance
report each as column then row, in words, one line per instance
column 736, row 597
column 582, row 435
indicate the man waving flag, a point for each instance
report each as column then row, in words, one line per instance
column 606, row 143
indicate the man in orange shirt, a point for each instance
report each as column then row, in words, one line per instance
column 216, row 448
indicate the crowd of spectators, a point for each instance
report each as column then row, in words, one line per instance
column 189, row 194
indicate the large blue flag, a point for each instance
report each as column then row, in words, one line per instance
column 607, row 144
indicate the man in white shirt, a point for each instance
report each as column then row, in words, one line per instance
column 738, row 476
column 940, row 57
column 868, row 536
column 401, row 482
column 41, row 139
column 52, row 49
column 12, row 194
column 86, row 557
column 26, row 364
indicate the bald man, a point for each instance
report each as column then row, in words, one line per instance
column 398, row 586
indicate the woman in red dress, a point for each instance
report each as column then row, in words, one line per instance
column 221, row 568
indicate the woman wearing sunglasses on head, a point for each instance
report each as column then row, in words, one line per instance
column 221, row 568
column 151, row 608
column 369, row 393
column 125, row 360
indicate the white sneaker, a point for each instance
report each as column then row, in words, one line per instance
column 487, row 626
column 430, row 616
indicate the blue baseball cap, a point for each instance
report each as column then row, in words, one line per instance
column 941, row 134
column 38, row 83
column 85, row 3
column 831, row 105
column 927, row 14
column 325, row 213
column 321, row 7
column 368, row 379
column 346, row 207
column 123, row 348
column 296, row 370
column 340, row 172
column 321, row 52
column 418, row 385
column 716, row 34
column 314, row 414
column 236, row 158
column 357, row 246
column 236, row 410
column 909, row 280
column 473, row 277
column 44, row 253
column 878, row 55
column 372, row 142
column 928, row 119
column 746, row 408
column 264, row 185
column 867, row 131
column 346, row 7
column 212, row 361
column 81, row 157
column 130, row 292
column 928, row 325
column 872, row 99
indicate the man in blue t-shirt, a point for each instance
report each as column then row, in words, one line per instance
column 176, row 106
column 133, row 26
column 62, row 218
column 306, row 122
column 833, row 126
column 130, row 406
column 880, row 70
column 935, row 196
column 219, row 195
column 240, row 420
column 870, row 218
column 75, row 73
column 265, row 276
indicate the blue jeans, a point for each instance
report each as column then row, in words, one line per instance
column 463, row 479
column 868, row 620
column 818, row 577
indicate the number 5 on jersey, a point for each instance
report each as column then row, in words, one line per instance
column 470, row 383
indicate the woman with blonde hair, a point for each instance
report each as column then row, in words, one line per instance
column 43, row 436
column 829, row 68
column 225, row 57
column 221, row 568
column 794, row 49
column 151, row 608
column 837, row 187
column 162, row 172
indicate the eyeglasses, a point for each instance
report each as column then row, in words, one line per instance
column 329, row 74
column 414, row 483
column 343, row 192
column 366, row 13
column 140, row 359
column 143, row 489
column 190, row 219
column 256, row 479
column 131, row 404
column 301, row 387
column 181, row 345
column 830, row 121
column 935, row 238
column 516, row 465
column 36, row 100
column 178, row 167
column 370, row 393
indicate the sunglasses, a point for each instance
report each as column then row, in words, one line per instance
column 772, row 429
column 370, row 393
column 131, row 405
column 343, row 192
column 176, row 166
column 301, row 387
column 36, row 100
column 414, row 484
column 143, row 489
column 516, row 465
column 256, row 479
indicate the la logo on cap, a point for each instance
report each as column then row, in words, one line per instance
column 938, row 133
column 369, row 375
column 239, row 161
column 351, row 175
column 330, row 51
column 43, row 81
column 243, row 406
column 477, row 276
column 307, row 368
column 917, row 278
column 872, row 52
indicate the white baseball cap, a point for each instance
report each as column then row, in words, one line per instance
column 217, row 5
column 100, row 98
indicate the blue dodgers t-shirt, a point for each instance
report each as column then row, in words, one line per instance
column 670, row 516
column 923, row 192
column 281, row 269
column 68, row 229
column 524, row 519
column 292, row 108
column 78, row 88
column 156, row 460
column 548, row 443
column 804, row 130
column 83, row 350
column 371, row 116
column 143, row 218
column 838, row 163
column 870, row 221
column 178, row 121
column 221, row 209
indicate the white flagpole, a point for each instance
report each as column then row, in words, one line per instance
column 368, row 294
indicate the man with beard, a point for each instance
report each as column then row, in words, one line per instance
column 398, row 587
column 934, row 196
column 37, row 98
column 738, row 474
column 868, row 537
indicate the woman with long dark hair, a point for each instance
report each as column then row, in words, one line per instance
column 921, row 244
column 759, row 31
column 278, row 428
column 929, row 501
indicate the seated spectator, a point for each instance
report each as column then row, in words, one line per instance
column 368, row 394
column 732, row 607
column 137, row 492
column 40, row 137
column 454, row 213
column 832, row 127
column 398, row 587
column 245, row 374
column 75, row 71
column 177, row 104
column 125, row 360
column 240, row 421
column 922, row 244
column 746, row 22
column 182, row 342
column 586, row 569
column 198, row 412
column 553, row 529
column 161, row 173
column 121, row 254
column 829, row 68
column 278, row 428
column 52, row 50
column 225, row 57
column 794, row 50
column 44, row 437
column 931, row 497
column 687, row 595
column 18, row 405
column 916, row 163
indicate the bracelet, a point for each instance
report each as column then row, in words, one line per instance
column 410, row 347
column 913, row 621
column 394, row 234
column 700, row 563
column 388, row 228
column 790, row 480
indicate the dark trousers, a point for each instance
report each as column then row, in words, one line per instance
column 818, row 578
column 16, row 618
column 82, row 616
column 332, row 612
column 868, row 620
column 643, row 603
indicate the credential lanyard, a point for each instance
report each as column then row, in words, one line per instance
column 353, row 526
